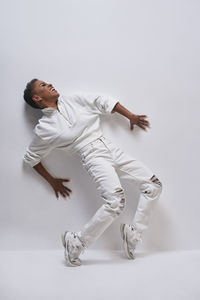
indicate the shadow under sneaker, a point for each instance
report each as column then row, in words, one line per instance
column 73, row 248
column 131, row 236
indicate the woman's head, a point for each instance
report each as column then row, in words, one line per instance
column 39, row 94
column 28, row 93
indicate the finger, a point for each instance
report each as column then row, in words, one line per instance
column 65, row 179
column 131, row 126
column 146, row 123
column 66, row 188
column 63, row 194
column 65, row 191
column 56, row 194
column 141, row 126
column 143, row 120
column 142, row 116
column 68, row 195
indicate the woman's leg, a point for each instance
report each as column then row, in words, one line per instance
column 97, row 161
column 150, row 186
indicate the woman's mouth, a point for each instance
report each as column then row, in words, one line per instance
column 53, row 90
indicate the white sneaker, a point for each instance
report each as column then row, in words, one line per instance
column 73, row 248
column 131, row 236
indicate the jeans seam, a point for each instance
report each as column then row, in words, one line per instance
column 136, row 179
column 107, row 147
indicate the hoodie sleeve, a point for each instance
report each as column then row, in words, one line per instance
column 37, row 150
column 101, row 104
column 105, row 104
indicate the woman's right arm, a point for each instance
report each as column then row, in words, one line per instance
column 38, row 149
column 56, row 183
column 43, row 172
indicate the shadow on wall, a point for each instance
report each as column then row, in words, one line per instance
column 31, row 116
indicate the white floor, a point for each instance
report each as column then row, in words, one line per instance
column 105, row 275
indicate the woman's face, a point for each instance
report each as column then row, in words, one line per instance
column 45, row 91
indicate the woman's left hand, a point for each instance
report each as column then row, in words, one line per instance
column 138, row 120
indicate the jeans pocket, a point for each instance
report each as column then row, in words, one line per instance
column 107, row 141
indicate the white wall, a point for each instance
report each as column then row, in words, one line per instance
column 146, row 54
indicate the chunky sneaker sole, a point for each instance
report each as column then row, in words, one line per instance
column 73, row 262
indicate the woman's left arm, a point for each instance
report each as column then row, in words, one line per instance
column 138, row 120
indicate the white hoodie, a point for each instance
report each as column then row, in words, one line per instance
column 73, row 125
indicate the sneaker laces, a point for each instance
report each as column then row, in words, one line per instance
column 81, row 247
column 134, row 236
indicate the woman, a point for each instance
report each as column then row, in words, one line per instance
column 73, row 123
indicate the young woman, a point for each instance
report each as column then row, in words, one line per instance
column 73, row 123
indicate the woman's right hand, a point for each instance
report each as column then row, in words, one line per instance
column 59, row 187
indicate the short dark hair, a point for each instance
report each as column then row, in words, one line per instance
column 28, row 93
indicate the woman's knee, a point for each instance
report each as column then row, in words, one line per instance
column 115, row 201
column 157, row 181
column 153, row 188
column 158, row 184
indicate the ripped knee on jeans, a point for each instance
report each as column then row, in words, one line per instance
column 115, row 200
column 156, row 180
column 153, row 190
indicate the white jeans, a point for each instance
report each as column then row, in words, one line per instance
column 106, row 164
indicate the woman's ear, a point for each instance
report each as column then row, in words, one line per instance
column 36, row 98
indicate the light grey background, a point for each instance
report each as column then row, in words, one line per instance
column 144, row 53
